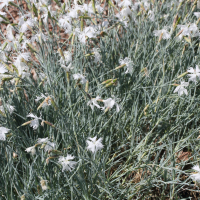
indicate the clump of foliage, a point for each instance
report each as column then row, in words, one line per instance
column 99, row 99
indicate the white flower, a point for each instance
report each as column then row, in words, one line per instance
column 136, row 6
column 67, row 68
column 97, row 55
column 3, row 14
column 125, row 3
column 48, row 145
column 81, row 36
column 124, row 13
column 47, row 101
column 73, row 12
column 194, row 74
column 35, row 122
column 3, row 69
column 43, row 140
column 129, row 64
column 8, row 107
column 94, row 145
column 45, row 12
column 109, row 103
column 21, row 66
column 146, row 4
column 166, row 35
column 43, row 184
column 3, row 131
column 99, row 8
column 80, row 77
column 180, row 89
column 40, row 97
column 9, row 33
column 2, row 55
column 39, row 36
column 151, row 15
column 93, row 102
column 25, row 56
column 68, row 56
column 31, row 150
column 66, row 162
column 24, row 42
column 194, row 30
column 90, row 32
column 87, row 8
column 65, row 22
column 196, row 177
column 25, row 24
column 189, row 30
column 4, row 3
column 197, row 14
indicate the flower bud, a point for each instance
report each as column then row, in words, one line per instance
column 82, row 23
column 50, row 124
column 1, row 113
column 4, row 46
column 26, row 123
column 86, row 86
column 53, row 104
column 38, row 144
column 55, row 152
column 31, row 47
column 43, row 184
column 45, row 101
column 111, row 83
column 187, row 39
column 50, row 158
column 194, row 5
column 182, row 75
column 198, row 4
column 160, row 38
column 61, row 53
column 121, row 66
column 93, row 6
column 106, row 110
column 106, row 82
column 14, row 155
column 89, row 54
column 179, row 33
column 43, row 145
column 198, row 21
